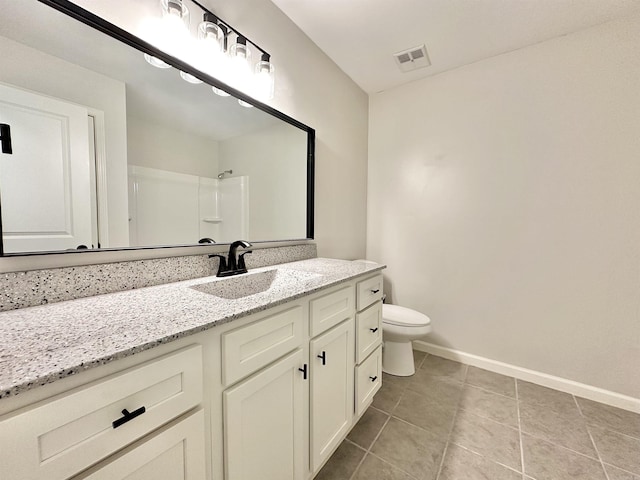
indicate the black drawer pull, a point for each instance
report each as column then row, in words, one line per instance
column 373, row 379
column 323, row 357
column 304, row 371
column 127, row 415
column 375, row 291
column 374, row 330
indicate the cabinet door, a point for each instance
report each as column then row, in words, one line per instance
column 263, row 423
column 176, row 453
column 332, row 362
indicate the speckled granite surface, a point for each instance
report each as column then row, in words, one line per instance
column 41, row 344
column 40, row 287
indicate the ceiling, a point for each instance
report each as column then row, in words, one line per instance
column 361, row 36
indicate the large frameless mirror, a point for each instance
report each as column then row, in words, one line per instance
column 102, row 150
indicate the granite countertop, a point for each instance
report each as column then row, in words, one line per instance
column 41, row 344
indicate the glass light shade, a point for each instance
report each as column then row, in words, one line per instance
column 212, row 35
column 187, row 77
column 220, row 92
column 156, row 62
column 175, row 12
column 239, row 70
column 264, row 80
column 245, row 104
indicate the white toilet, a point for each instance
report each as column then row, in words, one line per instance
column 401, row 325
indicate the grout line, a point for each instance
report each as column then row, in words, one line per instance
column 490, row 391
column 392, row 465
column 593, row 442
column 368, row 450
column 489, row 459
column 520, row 432
column 453, row 422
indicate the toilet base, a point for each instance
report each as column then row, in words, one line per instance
column 397, row 358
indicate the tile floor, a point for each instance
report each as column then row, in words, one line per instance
column 454, row 422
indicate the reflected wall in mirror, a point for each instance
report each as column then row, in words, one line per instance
column 110, row 152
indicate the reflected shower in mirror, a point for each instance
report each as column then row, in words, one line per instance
column 110, row 152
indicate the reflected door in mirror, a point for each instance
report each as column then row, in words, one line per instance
column 45, row 185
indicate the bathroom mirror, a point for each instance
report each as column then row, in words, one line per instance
column 103, row 151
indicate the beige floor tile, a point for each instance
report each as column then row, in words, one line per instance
column 418, row 358
column 441, row 367
column 389, row 394
column 426, row 412
column 461, row 464
column 342, row 464
column 494, row 382
column 568, row 430
column 375, row 469
column 546, row 461
column 611, row 418
column 491, row 405
column 493, row 440
column 558, row 402
column 617, row 449
column 412, row 449
column 617, row 474
column 443, row 389
column 368, row 427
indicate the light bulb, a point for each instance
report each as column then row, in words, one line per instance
column 264, row 79
column 187, row 77
column 155, row 61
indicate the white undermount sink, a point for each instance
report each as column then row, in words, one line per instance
column 247, row 284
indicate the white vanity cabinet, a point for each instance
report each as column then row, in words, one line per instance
column 368, row 342
column 331, row 373
column 63, row 436
column 175, row 453
column 267, row 396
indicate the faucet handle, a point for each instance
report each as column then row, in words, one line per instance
column 241, row 263
column 222, row 266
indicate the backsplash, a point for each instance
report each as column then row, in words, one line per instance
column 39, row 287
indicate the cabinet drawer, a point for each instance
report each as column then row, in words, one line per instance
column 368, row 331
column 249, row 348
column 368, row 380
column 175, row 453
column 369, row 291
column 331, row 309
column 66, row 435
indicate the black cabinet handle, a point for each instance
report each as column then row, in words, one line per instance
column 375, row 291
column 374, row 330
column 373, row 379
column 127, row 415
column 323, row 357
column 5, row 138
column 304, row 371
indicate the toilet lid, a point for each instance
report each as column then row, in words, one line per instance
column 397, row 315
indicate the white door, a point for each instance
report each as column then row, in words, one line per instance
column 45, row 184
column 177, row 453
column 332, row 370
column 263, row 423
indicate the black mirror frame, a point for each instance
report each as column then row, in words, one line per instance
column 98, row 23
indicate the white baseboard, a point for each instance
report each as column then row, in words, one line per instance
column 569, row 386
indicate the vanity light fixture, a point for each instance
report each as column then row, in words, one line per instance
column 211, row 52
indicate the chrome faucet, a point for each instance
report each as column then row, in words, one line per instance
column 233, row 265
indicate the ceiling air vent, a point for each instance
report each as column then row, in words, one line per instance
column 412, row 58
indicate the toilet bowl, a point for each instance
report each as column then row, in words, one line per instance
column 400, row 326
